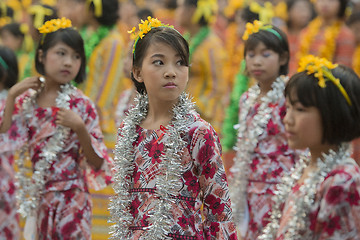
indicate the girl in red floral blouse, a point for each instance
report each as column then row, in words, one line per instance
column 262, row 153
column 60, row 129
column 322, row 194
column 167, row 159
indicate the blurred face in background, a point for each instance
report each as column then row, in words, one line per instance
column 300, row 14
column 327, row 9
column 75, row 10
column 184, row 14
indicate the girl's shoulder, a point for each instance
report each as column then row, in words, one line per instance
column 199, row 126
column 80, row 97
column 344, row 176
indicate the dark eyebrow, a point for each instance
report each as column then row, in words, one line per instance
column 157, row 55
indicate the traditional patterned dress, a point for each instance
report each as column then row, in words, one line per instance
column 204, row 184
column 344, row 45
column 335, row 212
column 270, row 160
column 9, row 219
column 103, row 83
column 206, row 83
column 65, row 206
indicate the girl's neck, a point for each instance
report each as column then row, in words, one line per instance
column 326, row 22
column 159, row 113
column 317, row 152
column 47, row 97
column 265, row 87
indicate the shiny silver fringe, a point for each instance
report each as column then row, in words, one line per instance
column 29, row 190
column 247, row 141
column 167, row 184
column 298, row 223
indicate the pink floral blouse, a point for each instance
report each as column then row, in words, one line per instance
column 71, row 169
column 335, row 214
column 204, row 184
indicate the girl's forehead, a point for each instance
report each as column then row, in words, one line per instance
column 160, row 47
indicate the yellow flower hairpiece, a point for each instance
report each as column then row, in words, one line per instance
column 4, row 21
column 39, row 13
column 145, row 27
column 233, row 6
column 206, row 9
column 254, row 27
column 54, row 25
column 321, row 67
column 266, row 12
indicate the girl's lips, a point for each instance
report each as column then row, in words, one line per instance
column 170, row 85
column 257, row 72
column 289, row 134
column 65, row 72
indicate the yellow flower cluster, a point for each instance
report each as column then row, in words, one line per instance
column 321, row 67
column 233, row 6
column 146, row 26
column 207, row 9
column 253, row 28
column 54, row 25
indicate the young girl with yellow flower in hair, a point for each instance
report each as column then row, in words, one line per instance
column 167, row 159
column 262, row 154
column 327, row 36
column 59, row 128
column 322, row 193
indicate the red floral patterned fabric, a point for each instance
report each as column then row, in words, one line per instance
column 70, row 170
column 335, row 213
column 9, row 219
column 204, row 184
column 271, row 159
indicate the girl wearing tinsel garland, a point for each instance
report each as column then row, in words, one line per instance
column 168, row 160
column 262, row 154
column 9, row 219
column 60, row 129
column 104, row 48
column 322, row 194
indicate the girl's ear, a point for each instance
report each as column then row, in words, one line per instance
column 40, row 56
column 284, row 58
column 137, row 74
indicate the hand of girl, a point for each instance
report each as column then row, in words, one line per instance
column 20, row 87
column 70, row 119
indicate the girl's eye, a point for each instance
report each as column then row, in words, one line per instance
column 77, row 56
column 180, row 63
column 250, row 54
column 266, row 54
column 157, row 62
column 61, row 53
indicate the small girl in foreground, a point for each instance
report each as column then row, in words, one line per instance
column 59, row 128
column 321, row 195
column 167, row 159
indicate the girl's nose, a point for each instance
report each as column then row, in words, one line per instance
column 288, row 120
column 170, row 73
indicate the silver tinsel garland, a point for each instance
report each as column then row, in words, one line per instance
column 299, row 221
column 168, row 182
column 29, row 190
column 247, row 141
